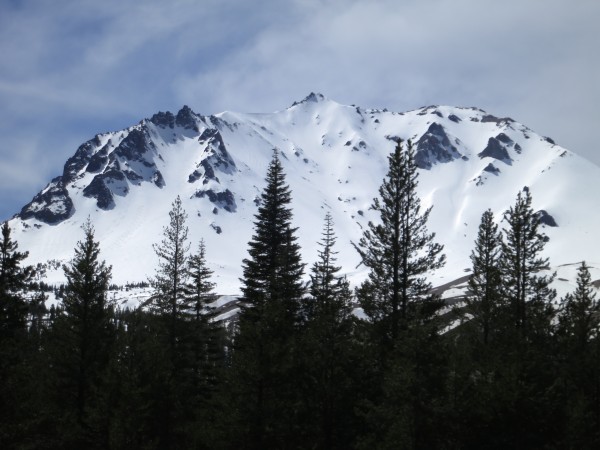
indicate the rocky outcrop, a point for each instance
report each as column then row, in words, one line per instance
column 435, row 147
column 52, row 205
column 496, row 149
column 545, row 218
column 223, row 199
column 132, row 162
column 186, row 118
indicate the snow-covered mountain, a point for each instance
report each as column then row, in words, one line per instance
column 335, row 157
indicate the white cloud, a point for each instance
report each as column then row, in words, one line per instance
column 67, row 65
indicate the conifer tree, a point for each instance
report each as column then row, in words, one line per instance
column 398, row 250
column 13, row 281
column 522, row 387
column 527, row 292
column 172, row 311
column 206, row 335
column 485, row 282
column 83, row 336
column 579, row 321
column 579, row 339
column 328, row 345
column 170, row 300
column 13, row 338
column 264, row 358
column 273, row 270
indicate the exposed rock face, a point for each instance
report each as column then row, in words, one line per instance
column 132, row 160
column 163, row 119
column 99, row 190
column 496, row 149
column 52, row 205
column 224, row 199
column 545, row 218
column 435, row 147
column 76, row 163
column 219, row 160
column 492, row 169
column 311, row 98
column 186, row 118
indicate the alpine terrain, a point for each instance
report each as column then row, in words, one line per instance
column 334, row 157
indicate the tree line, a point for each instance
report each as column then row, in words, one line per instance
column 299, row 368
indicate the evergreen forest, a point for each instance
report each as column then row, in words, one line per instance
column 313, row 364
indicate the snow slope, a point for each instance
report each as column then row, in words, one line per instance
column 335, row 157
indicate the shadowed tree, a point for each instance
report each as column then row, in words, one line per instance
column 264, row 358
column 83, row 336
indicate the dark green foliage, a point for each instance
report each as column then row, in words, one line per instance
column 398, row 251
column 205, row 336
column 485, row 283
column 405, row 328
column 273, row 271
column 265, row 359
column 183, row 333
column 169, row 283
column 579, row 338
column 526, row 291
column 299, row 369
column 13, row 281
column 81, row 345
column 329, row 348
column 13, row 338
column 505, row 355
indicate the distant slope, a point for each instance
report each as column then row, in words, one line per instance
column 335, row 157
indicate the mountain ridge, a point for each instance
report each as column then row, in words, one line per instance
column 334, row 156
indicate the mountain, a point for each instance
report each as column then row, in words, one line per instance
column 335, row 157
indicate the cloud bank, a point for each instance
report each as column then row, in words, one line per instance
column 71, row 69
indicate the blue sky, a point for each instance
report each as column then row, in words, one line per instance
column 72, row 68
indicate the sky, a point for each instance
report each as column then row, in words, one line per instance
column 70, row 69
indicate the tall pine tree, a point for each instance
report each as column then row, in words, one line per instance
column 13, row 281
column 329, row 349
column 170, row 293
column 264, row 358
column 485, row 282
column 579, row 346
column 13, row 337
column 398, row 250
column 522, row 388
column 527, row 292
column 82, row 346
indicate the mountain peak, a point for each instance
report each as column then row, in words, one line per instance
column 311, row 98
column 335, row 156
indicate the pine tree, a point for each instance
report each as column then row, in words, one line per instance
column 206, row 352
column 477, row 350
column 170, row 293
column 264, row 358
column 83, row 337
column 485, row 282
column 398, row 251
column 273, row 271
column 527, row 292
column 173, row 310
column 13, row 339
column 199, row 287
column 580, row 318
column 524, row 374
column 206, row 334
column 328, row 345
column 579, row 338
column 13, row 281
